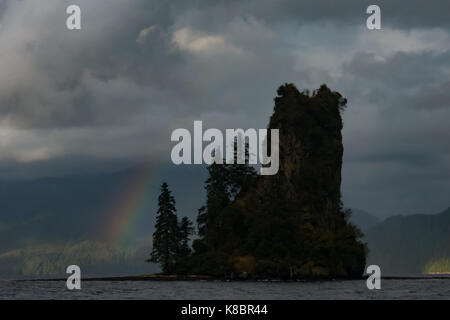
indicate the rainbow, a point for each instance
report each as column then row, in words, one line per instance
column 130, row 203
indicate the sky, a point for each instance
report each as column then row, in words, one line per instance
column 107, row 96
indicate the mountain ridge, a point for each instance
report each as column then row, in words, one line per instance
column 406, row 244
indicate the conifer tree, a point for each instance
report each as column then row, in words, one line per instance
column 224, row 183
column 238, row 173
column 185, row 230
column 166, row 235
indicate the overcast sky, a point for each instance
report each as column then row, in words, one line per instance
column 110, row 94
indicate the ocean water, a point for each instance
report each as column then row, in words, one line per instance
column 205, row 290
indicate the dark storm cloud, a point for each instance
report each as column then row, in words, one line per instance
column 400, row 153
column 57, row 76
column 140, row 68
column 402, row 14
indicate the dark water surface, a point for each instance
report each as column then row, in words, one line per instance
column 204, row 290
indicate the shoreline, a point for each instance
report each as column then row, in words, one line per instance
column 156, row 277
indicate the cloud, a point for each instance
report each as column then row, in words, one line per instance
column 144, row 34
column 113, row 91
column 394, row 132
column 186, row 39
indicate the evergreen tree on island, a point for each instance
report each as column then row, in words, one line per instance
column 171, row 238
column 185, row 230
column 165, row 237
column 225, row 181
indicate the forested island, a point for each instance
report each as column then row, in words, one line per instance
column 288, row 226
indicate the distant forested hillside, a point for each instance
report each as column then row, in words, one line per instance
column 49, row 223
column 441, row 265
column 411, row 244
column 363, row 220
column 94, row 258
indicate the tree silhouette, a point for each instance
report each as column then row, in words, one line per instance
column 185, row 230
column 166, row 235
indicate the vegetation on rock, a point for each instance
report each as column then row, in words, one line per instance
column 290, row 225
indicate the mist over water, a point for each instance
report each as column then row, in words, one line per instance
column 219, row 290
